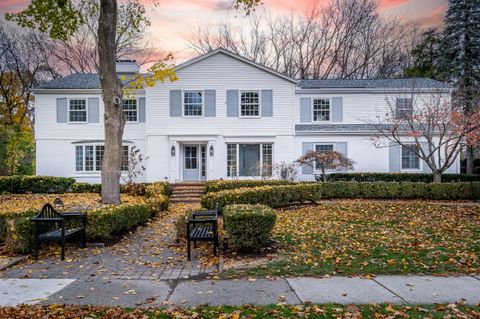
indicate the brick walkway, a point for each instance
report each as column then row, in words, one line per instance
column 149, row 253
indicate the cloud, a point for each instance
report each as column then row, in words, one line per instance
column 384, row 4
column 433, row 19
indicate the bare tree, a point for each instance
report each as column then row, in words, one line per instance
column 430, row 125
column 25, row 61
column 346, row 39
column 79, row 52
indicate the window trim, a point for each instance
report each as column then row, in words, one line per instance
column 94, row 171
column 86, row 110
column 183, row 104
column 334, row 148
column 240, row 105
column 413, row 170
column 237, row 152
column 138, row 115
column 329, row 109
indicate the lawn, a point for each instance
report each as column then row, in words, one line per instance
column 87, row 201
column 224, row 312
column 374, row 237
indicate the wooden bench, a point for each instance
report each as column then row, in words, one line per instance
column 203, row 226
column 50, row 226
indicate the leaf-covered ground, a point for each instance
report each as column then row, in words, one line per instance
column 87, row 201
column 223, row 312
column 375, row 237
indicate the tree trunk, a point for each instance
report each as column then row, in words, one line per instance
column 112, row 97
column 324, row 176
column 437, row 177
column 469, row 157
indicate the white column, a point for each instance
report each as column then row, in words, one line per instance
column 211, row 160
column 174, row 162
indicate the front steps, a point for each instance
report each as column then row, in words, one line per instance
column 186, row 193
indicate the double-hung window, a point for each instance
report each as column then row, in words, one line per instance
column 410, row 159
column 192, row 103
column 130, row 110
column 89, row 158
column 249, row 104
column 403, row 108
column 321, row 110
column 322, row 148
column 249, row 159
column 77, row 111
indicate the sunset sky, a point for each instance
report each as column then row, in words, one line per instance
column 174, row 20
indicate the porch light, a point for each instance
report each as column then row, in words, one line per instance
column 211, row 150
column 172, row 150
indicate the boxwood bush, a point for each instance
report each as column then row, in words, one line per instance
column 86, row 188
column 35, row 184
column 248, row 227
column 277, row 196
column 400, row 177
column 220, row 185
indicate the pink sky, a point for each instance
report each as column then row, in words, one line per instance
column 173, row 20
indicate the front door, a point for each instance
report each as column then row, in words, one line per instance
column 191, row 170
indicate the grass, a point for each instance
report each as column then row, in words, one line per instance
column 374, row 237
column 248, row 311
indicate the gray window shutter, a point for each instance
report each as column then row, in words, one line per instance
column 426, row 168
column 175, row 103
column 342, row 148
column 210, row 103
column 142, row 110
column 305, row 110
column 267, row 103
column 307, row 169
column 62, row 111
column 93, row 112
column 232, row 103
column 394, row 152
column 337, row 109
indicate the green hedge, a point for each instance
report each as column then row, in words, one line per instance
column 220, row 185
column 35, row 184
column 248, row 227
column 277, row 196
column 86, row 188
column 400, row 177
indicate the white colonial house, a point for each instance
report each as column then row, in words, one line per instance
column 225, row 117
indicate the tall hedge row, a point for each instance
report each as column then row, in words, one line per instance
column 277, row 196
column 400, row 177
column 220, row 185
column 35, row 184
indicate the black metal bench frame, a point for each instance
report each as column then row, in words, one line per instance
column 50, row 226
column 204, row 228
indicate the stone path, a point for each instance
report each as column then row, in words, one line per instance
column 149, row 253
column 148, row 293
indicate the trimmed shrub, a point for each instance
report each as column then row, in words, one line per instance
column 278, row 196
column 35, row 184
column 400, row 177
column 86, row 188
column 220, row 185
column 162, row 188
column 249, row 227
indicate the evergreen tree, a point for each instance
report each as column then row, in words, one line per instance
column 461, row 56
column 427, row 57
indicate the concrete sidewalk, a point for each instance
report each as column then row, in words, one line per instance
column 342, row 290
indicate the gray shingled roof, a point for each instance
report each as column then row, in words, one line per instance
column 372, row 83
column 341, row 128
column 75, row 81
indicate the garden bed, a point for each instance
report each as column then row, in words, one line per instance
column 373, row 237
